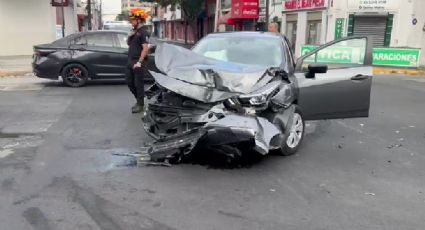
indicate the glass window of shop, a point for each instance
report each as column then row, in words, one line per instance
column 226, row 4
column 314, row 32
column 291, row 29
column 314, row 28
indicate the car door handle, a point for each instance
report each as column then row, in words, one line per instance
column 360, row 77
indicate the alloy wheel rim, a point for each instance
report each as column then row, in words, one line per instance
column 74, row 75
column 296, row 131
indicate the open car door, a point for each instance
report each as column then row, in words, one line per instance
column 335, row 80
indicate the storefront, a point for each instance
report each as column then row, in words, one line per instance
column 304, row 22
column 394, row 25
column 242, row 15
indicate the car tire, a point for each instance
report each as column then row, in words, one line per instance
column 295, row 135
column 75, row 75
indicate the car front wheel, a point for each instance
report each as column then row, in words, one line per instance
column 295, row 135
column 74, row 75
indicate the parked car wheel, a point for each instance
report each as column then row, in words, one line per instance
column 295, row 135
column 75, row 75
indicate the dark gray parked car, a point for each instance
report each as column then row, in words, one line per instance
column 83, row 56
column 244, row 90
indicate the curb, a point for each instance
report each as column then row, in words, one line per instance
column 409, row 72
column 14, row 73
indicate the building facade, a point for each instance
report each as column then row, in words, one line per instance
column 26, row 23
column 129, row 4
column 169, row 23
column 238, row 15
column 397, row 26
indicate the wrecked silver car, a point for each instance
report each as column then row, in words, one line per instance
column 244, row 90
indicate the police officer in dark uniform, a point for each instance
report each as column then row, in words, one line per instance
column 138, row 42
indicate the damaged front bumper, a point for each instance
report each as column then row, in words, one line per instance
column 177, row 132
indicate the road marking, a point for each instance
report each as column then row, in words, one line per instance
column 6, row 152
column 23, row 83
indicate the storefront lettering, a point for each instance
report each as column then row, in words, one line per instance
column 381, row 56
column 340, row 55
column 394, row 57
column 372, row 5
column 242, row 9
column 303, row 4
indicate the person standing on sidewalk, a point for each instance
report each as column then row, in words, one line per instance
column 138, row 45
column 273, row 27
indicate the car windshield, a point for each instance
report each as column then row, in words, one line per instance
column 264, row 51
column 125, row 28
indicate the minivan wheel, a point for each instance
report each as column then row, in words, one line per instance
column 75, row 75
column 293, row 140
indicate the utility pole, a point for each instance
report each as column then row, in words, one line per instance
column 100, row 16
column 217, row 11
column 63, row 20
column 267, row 15
column 89, row 14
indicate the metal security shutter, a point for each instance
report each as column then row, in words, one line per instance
column 371, row 26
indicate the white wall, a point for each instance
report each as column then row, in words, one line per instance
column 419, row 29
column 25, row 23
column 169, row 14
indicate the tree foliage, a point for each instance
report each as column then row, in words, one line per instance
column 123, row 16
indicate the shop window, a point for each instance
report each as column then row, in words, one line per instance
column 226, row 4
column 314, row 32
column 291, row 34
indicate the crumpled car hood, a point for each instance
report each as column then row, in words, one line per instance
column 205, row 79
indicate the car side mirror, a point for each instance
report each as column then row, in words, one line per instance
column 316, row 68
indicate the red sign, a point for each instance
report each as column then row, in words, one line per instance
column 60, row 2
column 245, row 9
column 303, row 4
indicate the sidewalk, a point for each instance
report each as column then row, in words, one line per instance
column 377, row 70
column 15, row 65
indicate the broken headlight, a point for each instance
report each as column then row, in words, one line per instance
column 261, row 96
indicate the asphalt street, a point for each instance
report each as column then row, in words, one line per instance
column 57, row 170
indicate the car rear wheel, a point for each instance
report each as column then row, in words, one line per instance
column 75, row 75
column 295, row 135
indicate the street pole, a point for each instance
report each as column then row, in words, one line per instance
column 63, row 20
column 267, row 15
column 217, row 11
column 89, row 14
column 100, row 16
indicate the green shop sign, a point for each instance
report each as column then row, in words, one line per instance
column 381, row 56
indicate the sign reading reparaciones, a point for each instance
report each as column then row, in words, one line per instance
column 398, row 57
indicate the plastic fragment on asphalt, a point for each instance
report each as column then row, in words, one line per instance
column 6, row 152
column 370, row 193
column 272, row 190
column 361, row 125
column 394, row 146
column 412, row 126
column 397, row 131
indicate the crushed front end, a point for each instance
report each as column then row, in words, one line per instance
column 210, row 104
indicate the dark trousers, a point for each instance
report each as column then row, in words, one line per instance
column 134, row 78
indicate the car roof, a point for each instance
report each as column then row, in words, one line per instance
column 247, row 34
column 103, row 31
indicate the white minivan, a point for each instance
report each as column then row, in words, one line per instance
column 117, row 25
